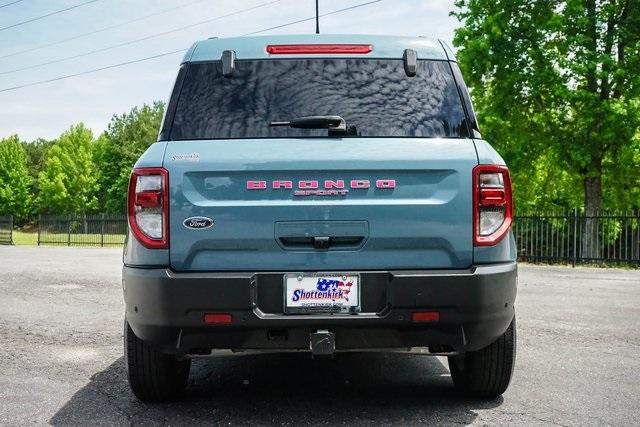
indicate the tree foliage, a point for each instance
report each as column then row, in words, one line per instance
column 557, row 88
column 36, row 152
column 127, row 137
column 68, row 184
column 15, row 196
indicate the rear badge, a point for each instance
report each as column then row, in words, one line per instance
column 198, row 222
column 188, row 157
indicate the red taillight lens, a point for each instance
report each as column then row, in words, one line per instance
column 425, row 316
column 492, row 204
column 302, row 49
column 149, row 199
column 148, row 206
column 217, row 318
column 492, row 197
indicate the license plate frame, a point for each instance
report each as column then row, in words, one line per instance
column 330, row 301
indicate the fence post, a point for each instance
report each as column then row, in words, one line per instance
column 68, row 230
column 11, row 229
column 575, row 236
column 102, row 230
column 39, row 224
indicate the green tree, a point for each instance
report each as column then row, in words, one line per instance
column 15, row 198
column 68, row 183
column 36, row 155
column 126, row 138
column 557, row 81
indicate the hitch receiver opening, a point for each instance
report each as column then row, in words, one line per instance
column 322, row 343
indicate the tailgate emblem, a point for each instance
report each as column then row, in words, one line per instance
column 314, row 187
column 198, row 222
column 188, row 157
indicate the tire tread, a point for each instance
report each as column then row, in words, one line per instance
column 153, row 376
column 486, row 372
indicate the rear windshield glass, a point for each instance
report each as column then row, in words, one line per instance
column 375, row 97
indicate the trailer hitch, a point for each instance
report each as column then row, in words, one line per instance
column 322, row 343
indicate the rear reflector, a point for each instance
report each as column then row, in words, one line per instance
column 301, row 49
column 425, row 316
column 217, row 318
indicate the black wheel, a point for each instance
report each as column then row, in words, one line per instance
column 153, row 376
column 486, row 372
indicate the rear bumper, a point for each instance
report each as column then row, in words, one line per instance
column 166, row 309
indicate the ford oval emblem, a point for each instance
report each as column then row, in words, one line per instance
column 198, row 222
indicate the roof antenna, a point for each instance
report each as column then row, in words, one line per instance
column 317, row 19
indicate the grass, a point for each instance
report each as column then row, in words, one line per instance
column 23, row 238
column 31, row 238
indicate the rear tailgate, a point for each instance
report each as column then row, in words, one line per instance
column 425, row 221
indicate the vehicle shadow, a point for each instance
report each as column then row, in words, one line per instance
column 353, row 388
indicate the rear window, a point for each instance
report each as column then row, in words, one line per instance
column 374, row 96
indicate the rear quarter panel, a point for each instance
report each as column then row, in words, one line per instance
column 505, row 250
column 134, row 253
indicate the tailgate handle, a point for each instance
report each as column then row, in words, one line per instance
column 320, row 242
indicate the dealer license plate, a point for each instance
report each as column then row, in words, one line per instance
column 321, row 293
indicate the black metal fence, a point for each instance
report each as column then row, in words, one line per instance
column 6, row 230
column 576, row 238
column 82, row 230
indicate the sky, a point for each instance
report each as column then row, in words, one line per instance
column 46, row 110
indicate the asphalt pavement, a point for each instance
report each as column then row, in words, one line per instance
column 61, row 314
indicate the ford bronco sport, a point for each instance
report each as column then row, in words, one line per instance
column 319, row 193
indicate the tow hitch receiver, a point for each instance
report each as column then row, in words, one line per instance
column 322, row 343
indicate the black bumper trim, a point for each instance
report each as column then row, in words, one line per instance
column 165, row 308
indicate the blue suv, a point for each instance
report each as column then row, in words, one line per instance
column 319, row 193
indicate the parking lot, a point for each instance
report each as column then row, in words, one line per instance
column 61, row 359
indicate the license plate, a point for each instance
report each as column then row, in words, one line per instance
column 321, row 293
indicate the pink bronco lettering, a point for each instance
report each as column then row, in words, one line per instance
column 311, row 187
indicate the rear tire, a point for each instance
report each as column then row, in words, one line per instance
column 153, row 376
column 486, row 372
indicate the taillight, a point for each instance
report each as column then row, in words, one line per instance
column 148, row 206
column 492, row 204
column 302, row 49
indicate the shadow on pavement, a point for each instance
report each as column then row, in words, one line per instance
column 286, row 388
